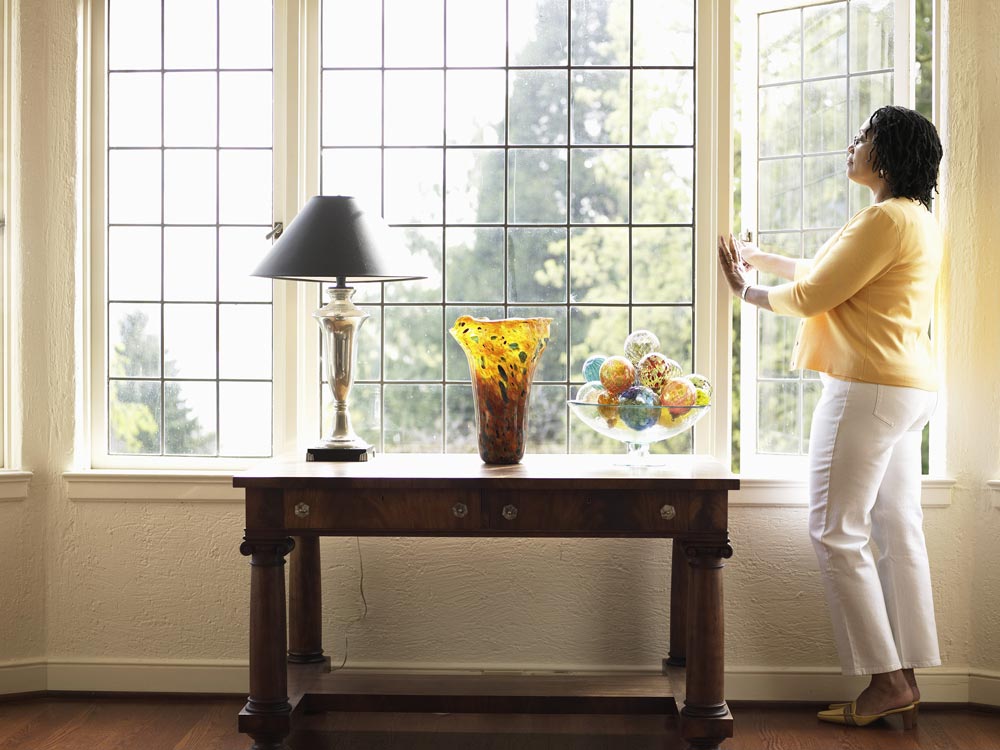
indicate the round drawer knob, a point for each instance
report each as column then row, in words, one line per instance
column 668, row 512
column 509, row 512
column 460, row 510
column 302, row 510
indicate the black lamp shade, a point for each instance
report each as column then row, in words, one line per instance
column 332, row 239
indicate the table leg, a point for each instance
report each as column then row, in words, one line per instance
column 267, row 714
column 305, row 611
column 679, row 577
column 705, row 718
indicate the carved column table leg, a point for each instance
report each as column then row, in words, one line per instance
column 679, row 576
column 305, row 611
column 705, row 718
column 267, row 714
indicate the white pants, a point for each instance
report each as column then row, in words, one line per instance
column 864, row 485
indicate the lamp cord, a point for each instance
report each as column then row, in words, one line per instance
column 364, row 614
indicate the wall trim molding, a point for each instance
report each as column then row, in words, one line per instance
column 14, row 485
column 149, row 675
column 984, row 687
column 98, row 486
column 23, row 676
column 774, row 492
column 231, row 676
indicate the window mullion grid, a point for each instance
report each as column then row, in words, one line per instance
column 218, row 239
column 800, row 391
column 570, row 106
column 506, row 148
column 163, row 231
column 444, row 215
column 381, row 299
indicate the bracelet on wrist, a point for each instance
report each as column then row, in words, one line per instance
column 743, row 294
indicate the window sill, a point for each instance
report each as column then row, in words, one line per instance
column 113, row 486
column 770, row 492
column 14, row 485
column 153, row 486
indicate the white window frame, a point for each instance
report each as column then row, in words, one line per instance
column 6, row 459
column 296, row 407
column 752, row 462
column 92, row 439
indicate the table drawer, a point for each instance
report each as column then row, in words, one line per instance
column 590, row 511
column 382, row 511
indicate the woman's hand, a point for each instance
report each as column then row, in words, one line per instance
column 735, row 269
column 748, row 252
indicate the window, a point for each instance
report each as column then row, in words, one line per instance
column 812, row 73
column 186, row 337
column 550, row 172
column 555, row 158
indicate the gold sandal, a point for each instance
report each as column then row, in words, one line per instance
column 848, row 715
column 916, row 704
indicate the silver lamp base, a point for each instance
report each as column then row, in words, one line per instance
column 340, row 321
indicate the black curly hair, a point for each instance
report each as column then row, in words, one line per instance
column 907, row 151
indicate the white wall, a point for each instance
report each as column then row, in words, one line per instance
column 152, row 595
column 974, row 306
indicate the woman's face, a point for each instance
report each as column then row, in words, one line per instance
column 861, row 157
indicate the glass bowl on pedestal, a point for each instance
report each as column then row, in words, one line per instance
column 638, row 426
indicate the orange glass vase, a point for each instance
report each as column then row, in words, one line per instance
column 503, row 355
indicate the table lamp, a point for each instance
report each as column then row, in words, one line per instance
column 333, row 240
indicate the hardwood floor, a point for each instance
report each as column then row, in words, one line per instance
column 81, row 723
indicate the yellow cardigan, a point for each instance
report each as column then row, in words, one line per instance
column 867, row 298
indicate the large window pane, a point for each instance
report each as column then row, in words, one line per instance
column 598, row 35
column 663, row 33
column 839, row 55
column 474, row 269
column 476, row 107
column 536, row 186
column 599, row 186
column 780, row 46
column 189, row 416
column 597, row 272
column 536, row 265
column 538, row 107
column 539, row 32
column 537, row 159
column 475, row 186
column 825, row 40
column 472, row 33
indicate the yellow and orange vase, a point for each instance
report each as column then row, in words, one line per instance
column 503, row 355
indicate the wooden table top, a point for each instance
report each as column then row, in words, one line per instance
column 536, row 471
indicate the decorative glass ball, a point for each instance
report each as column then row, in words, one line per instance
column 701, row 382
column 589, row 391
column 592, row 367
column 617, row 374
column 654, row 370
column 639, row 407
column 608, row 407
column 679, row 394
column 639, row 344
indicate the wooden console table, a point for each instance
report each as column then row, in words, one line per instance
column 290, row 505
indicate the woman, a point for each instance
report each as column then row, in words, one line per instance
column 866, row 300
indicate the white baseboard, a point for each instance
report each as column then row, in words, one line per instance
column 149, row 676
column 984, row 687
column 937, row 685
column 22, row 677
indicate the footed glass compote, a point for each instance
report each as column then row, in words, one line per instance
column 637, row 426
